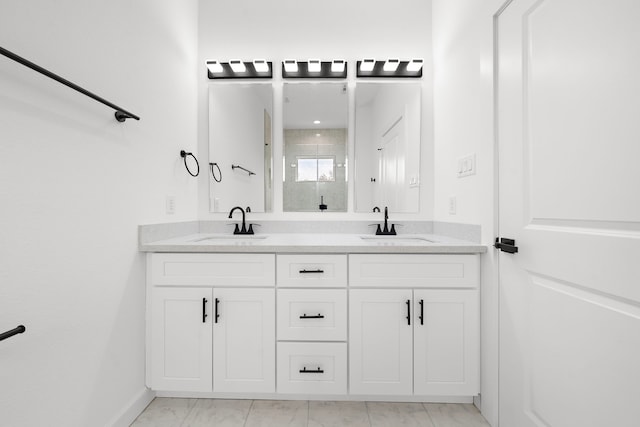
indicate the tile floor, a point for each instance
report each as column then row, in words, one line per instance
column 170, row 412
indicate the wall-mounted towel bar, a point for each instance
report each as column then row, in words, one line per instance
column 240, row 167
column 121, row 114
column 20, row 329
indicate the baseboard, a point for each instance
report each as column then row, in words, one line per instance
column 336, row 397
column 133, row 409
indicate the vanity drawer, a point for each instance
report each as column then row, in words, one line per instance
column 312, row 315
column 414, row 270
column 312, row 368
column 212, row 269
column 312, row 270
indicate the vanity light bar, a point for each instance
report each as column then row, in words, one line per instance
column 238, row 69
column 389, row 68
column 314, row 69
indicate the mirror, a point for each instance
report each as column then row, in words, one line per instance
column 387, row 147
column 315, row 147
column 240, row 146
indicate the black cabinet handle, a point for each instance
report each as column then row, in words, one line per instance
column 311, row 271
column 204, row 310
column 408, row 312
column 319, row 316
column 317, row 371
column 216, row 315
column 421, row 317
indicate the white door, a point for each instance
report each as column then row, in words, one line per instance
column 569, row 147
column 446, row 342
column 181, row 339
column 380, row 348
column 244, row 336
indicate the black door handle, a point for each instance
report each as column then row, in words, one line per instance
column 204, row 310
column 311, row 271
column 317, row 371
column 506, row 245
column 421, row 317
column 216, row 315
column 408, row 312
column 319, row 316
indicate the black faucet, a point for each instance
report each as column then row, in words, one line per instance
column 386, row 231
column 244, row 229
column 376, row 209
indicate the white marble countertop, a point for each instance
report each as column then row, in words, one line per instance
column 313, row 243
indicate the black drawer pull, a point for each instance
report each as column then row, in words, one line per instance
column 421, row 317
column 311, row 271
column 204, row 310
column 216, row 310
column 408, row 312
column 317, row 371
column 319, row 316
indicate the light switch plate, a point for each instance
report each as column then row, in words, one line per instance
column 170, row 205
column 466, row 166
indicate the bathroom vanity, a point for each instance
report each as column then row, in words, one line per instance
column 320, row 316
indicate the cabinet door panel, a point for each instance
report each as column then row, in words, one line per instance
column 181, row 341
column 244, row 341
column 446, row 342
column 380, row 358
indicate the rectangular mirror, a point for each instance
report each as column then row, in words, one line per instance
column 387, row 146
column 315, row 160
column 240, row 146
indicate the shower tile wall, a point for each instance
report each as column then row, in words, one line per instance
column 305, row 196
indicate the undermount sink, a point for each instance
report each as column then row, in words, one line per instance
column 396, row 240
column 234, row 239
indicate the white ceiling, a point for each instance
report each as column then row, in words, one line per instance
column 306, row 102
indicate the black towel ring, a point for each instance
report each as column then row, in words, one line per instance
column 184, row 155
column 211, row 165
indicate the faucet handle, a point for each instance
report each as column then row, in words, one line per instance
column 250, row 230
column 237, row 230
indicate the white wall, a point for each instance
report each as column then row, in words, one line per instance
column 74, row 186
column 330, row 29
column 463, row 124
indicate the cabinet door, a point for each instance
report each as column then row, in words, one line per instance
column 244, row 340
column 446, row 334
column 380, row 354
column 181, row 339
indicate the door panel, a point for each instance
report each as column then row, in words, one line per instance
column 568, row 99
column 446, row 342
column 380, row 358
column 180, row 340
column 244, row 341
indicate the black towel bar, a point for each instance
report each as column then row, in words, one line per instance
column 121, row 114
column 20, row 329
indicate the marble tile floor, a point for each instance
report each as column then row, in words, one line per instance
column 173, row 412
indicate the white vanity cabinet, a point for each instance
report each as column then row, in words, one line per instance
column 212, row 322
column 281, row 325
column 414, row 324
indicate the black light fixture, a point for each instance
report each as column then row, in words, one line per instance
column 238, row 69
column 314, row 69
column 389, row 68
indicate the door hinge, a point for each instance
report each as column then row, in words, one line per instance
column 506, row 245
